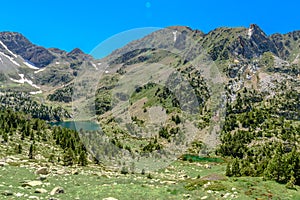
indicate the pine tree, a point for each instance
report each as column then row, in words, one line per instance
column 291, row 183
column 275, row 168
column 82, row 158
column 31, row 151
column 228, row 170
column 31, row 135
column 5, row 137
column 19, row 149
column 69, row 157
column 235, row 167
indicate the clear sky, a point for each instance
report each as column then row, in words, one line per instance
column 68, row 24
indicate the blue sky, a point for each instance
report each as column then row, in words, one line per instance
column 68, row 24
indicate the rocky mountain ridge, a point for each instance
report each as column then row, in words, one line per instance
column 36, row 55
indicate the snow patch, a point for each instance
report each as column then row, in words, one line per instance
column 37, row 92
column 95, row 66
column 175, row 35
column 9, row 51
column 250, row 32
column 297, row 59
column 10, row 58
column 24, row 80
column 40, row 70
column 30, row 66
column 1, row 60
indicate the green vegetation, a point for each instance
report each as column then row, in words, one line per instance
column 23, row 135
column 22, row 102
column 261, row 136
column 62, row 95
column 194, row 158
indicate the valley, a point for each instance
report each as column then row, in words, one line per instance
column 192, row 116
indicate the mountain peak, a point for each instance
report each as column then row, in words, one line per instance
column 76, row 51
column 255, row 29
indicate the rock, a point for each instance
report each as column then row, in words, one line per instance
column 109, row 198
column 226, row 195
column 42, row 170
column 19, row 194
column 33, row 197
column 32, row 184
column 207, row 166
column 205, row 197
column 61, row 172
column 75, row 172
column 42, row 177
column 57, row 190
column 7, row 193
column 2, row 164
column 168, row 182
column 186, row 195
column 40, row 191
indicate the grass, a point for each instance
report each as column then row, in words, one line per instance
column 94, row 183
column 195, row 158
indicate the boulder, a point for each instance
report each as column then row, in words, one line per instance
column 40, row 191
column 109, row 198
column 42, row 177
column 2, row 164
column 75, row 172
column 57, row 190
column 7, row 193
column 32, row 184
column 42, row 170
column 33, row 197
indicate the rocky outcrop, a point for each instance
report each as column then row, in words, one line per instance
column 286, row 43
column 225, row 43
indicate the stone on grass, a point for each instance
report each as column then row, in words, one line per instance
column 19, row 194
column 57, row 190
column 2, row 164
column 7, row 193
column 42, row 177
column 40, row 191
column 42, row 170
column 75, row 172
column 109, row 198
column 33, row 197
column 32, row 184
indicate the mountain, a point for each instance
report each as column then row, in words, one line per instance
column 26, row 63
column 221, row 44
column 224, row 43
column 198, row 105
